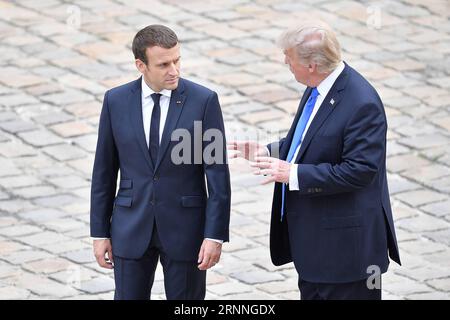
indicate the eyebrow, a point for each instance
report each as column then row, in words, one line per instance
column 164, row 62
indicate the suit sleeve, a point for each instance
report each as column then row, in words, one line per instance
column 275, row 147
column 363, row 153
column 216, row 171
column 104, row 176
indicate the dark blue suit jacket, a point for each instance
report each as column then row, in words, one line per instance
column 340, row 222
column 173, row 195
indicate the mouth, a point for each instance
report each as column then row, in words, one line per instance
column 172, row 81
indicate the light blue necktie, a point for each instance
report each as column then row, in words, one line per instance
column 297, row 139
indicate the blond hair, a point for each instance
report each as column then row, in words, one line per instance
column 314, row 42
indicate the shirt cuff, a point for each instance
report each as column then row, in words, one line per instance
column 215, row 240
column 268, row 151
column 95, row 238
column 293, row 178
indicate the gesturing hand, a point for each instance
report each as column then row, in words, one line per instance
column 277, row 169
column 246, row 149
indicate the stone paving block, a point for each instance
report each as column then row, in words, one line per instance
column 64, row 152
column 440, row 284
column 426, row 141
column 86, row 142
column 15, row 149
column 40, row 138
column 45, row 287
column 47, row 266
column 256, row 277
column 81, row 256
column 56, row 201
column 25, row 256
column 19, row 181
column 14, row 293
column 17, row 126
column 7, row 247
column 277, row 287
column 440, row 236
column 438, row 209
column 72, row 129
column 52, row 118
column 19, row 230
column 420, row 197
column 35, row 192
column 85, row 109
column 421, row 247
column 228, row 288
column 404, row 162
column 429, row 296
column 43, row 238
column 15, row 206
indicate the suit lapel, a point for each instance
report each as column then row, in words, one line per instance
column 285, row 149
column 135, row 103
column 329, row 104
column 177, row 100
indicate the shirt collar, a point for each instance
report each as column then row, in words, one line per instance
column 147, row 91
column 325, row 86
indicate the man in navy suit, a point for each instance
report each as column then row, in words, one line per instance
column 331, row 213
column 173, row 204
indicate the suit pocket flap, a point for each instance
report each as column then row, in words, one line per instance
column 123, row 201
column 126, row 184
column 342, row 222
column 193, row 201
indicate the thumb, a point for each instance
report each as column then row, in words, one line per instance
column 110, row 255
column 200, row 254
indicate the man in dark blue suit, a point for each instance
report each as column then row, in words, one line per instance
column 173, row 203
column 331, row 213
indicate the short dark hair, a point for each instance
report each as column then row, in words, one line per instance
column 150, row 36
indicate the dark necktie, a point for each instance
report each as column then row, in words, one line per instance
column 154, row 128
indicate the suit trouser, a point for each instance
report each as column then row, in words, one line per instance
column 134, row 277
column 357, row 290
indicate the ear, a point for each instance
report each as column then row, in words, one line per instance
column 140, row 65
column 312, row 67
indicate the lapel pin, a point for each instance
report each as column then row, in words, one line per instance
column 332, row 101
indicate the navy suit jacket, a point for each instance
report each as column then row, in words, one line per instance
column 186, row 208
column 339, row 223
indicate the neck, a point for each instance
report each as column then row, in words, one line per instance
column 151, row 86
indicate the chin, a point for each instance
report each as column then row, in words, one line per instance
column 172, row 86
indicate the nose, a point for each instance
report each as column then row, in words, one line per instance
column 173, row 70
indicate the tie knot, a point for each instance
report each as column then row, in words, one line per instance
column 156, row 97
column 314, row 92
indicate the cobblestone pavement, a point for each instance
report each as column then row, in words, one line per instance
column 57, row 59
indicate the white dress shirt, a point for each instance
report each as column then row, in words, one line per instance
column 147, row 109
column 323, row 88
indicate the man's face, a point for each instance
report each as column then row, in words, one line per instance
column 301, row 72
column 163, row 68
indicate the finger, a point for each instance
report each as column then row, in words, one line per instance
column 232, row 146
column 110, row 255
column 271, row 179
column 237, row 154
column 264, row 159
column 201, row 253
column 102, row 262
column 205, row 263
column 261, row 165
column 267, row 172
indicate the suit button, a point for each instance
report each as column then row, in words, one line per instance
column 152, row 202
column 155, row 178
